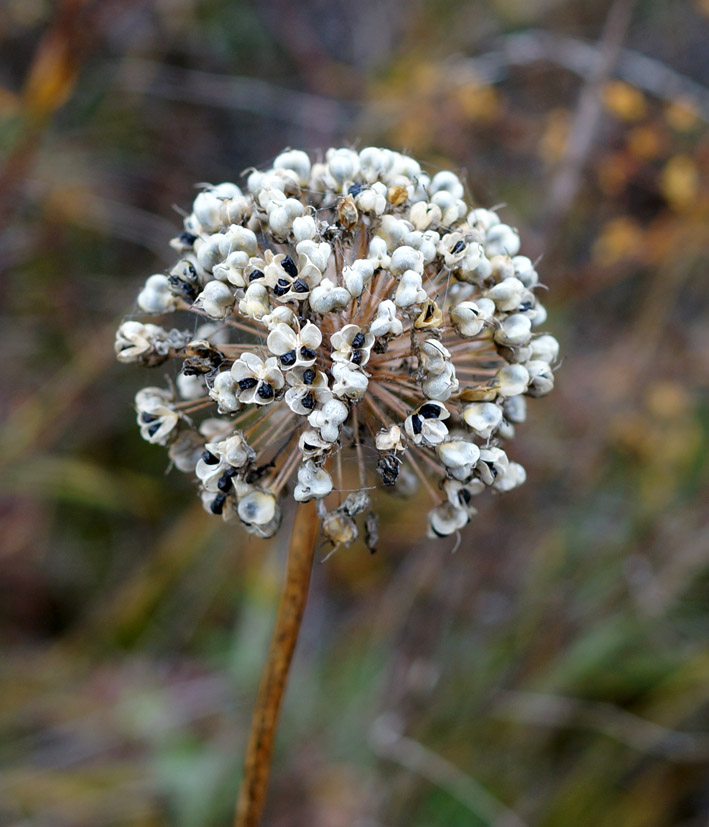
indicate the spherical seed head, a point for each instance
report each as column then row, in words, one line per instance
column 350, row 305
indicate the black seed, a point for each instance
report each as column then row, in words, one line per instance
column 309, row 376
column 459, row 247
column 146, row 417
column 289, row 266
column 525, row 306
column 416, row 423
column 180, row 287
column 300, row 286
column 308, row 446
column 153, row 429
column 429, row 411
column 249, row 382
column 187, row 238
column 283, row 282
column 358, row 340
column 217, row 505
column 308, row 353
column 209, row 458
column 356, row 357
column 309, row 401
column 280, row 291
column 257, row 274
column 289, row 358
column 464, row 496
column 224, row 483
column 355, row 190
column 265, row 391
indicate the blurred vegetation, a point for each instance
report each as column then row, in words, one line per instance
column 555, row 670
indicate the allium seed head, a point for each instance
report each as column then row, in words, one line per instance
column 354, row 307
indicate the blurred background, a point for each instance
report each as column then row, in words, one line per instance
column 553, row 671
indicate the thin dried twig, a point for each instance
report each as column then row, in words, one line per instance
column 388, row 742
column 273, row 681
column 565, row 183
column 623, row 726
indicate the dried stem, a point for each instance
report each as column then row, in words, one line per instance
column 273, row 681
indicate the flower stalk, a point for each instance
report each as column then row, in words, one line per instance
column 294, row 597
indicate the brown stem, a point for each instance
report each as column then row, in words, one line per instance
column 275, row 674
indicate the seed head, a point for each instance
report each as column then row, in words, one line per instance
column 351, row 308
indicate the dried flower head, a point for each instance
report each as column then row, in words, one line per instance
column 352, row 306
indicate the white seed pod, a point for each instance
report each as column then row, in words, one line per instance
column 410, row 291
column 541, row 378
column 483, row 418
column 406, row 258
column 357, row 276
column 295, row 349
column 255, row 304
column 304, row 228
column 207, row 209
column 538, row 314
column 393, row 230
column 474, row 267
column 232, row 268
column 545, row 349
column 469, row 317
column 425, row 425
column 258, row 380
column 441, row 386
column 352, row 345
column 374, row 163
column 433, row 357
column 514, row 331
column 185, row 451
column 329, row 419
column 257, row 508
column 511, row 380
column 501, row 239
column 423, row 214
column 313, row 483
column 460, row 494
column 350, row 383
column 452, row 208
column 156, row 296
column 459, row 456
column 211, row 250
column 483, row 219
column 508, row 294
column 297, row 161
column 524, row 271
column 216, row 299
column 445, row 519
column 308, row 388
column 378, row 252
column 224, row 392
column 312, row 445
column 190, row 386
column 147, row 344
column 386, row 323
column 390, row 439
column 515, row 409
column 343, row 165
column 447, row 181
column 372, row 200
column 327, row 297
column 493, row 463
column 281, row 314
column 514, row 476
column 425, row 242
